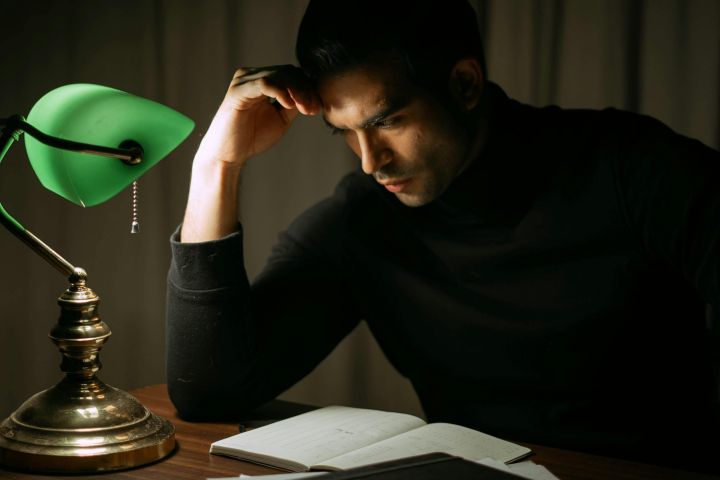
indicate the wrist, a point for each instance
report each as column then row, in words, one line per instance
column 212, row 208
column 224, row 142
column 211, row 174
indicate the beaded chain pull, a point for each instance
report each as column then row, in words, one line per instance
column 135, row 227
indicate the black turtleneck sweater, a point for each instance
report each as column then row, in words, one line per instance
column 555, row 294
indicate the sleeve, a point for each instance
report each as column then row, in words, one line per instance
column 669, row 186
column 232, row 346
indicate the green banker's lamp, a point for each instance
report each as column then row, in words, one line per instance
column 86, row 143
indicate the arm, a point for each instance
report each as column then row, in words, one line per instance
column 231, row 346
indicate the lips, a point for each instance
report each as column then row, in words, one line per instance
column 395, row 186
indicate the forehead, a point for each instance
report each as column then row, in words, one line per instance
column 362, row 92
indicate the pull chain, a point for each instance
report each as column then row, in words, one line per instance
column 135, row 227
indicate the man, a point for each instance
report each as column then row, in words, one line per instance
column 538, row 274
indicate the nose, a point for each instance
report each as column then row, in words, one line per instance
column 374, row 153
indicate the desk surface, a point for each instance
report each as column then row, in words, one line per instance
column 191, row 459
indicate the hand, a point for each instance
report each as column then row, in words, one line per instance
column 259, row 106
column 246, row 124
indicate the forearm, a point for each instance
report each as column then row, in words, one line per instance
column 210, row 337
column 210, row 347
column 231, row 346
column 212, row 340
column 212, row 207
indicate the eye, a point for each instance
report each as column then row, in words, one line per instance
column 387, row 122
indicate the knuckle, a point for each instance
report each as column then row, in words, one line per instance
column 266, row 81
column 245, row 75
column 241, row 72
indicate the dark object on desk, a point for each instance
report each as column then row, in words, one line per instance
column 424, row 467
column 270, row 412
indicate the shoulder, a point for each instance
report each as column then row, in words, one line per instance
column 569, row 129
column 581, row 139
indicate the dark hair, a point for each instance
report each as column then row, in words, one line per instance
column 427, row 36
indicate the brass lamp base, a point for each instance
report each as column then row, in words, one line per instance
column 82, row 425
column 103, row 429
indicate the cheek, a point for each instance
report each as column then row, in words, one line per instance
column 422, row 145
column 407, row 143
column 447, row 143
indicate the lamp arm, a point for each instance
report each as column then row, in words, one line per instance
column 10, row 134
column 129, row 152
column 37, row 245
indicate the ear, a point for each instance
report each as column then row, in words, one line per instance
column 466, row 82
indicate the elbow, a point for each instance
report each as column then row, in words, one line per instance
column 193, row 401
column 202, row 402
column 187, row 404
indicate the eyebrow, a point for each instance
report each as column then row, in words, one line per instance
column 391, row 106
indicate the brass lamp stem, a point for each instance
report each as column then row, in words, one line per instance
column 81, row 424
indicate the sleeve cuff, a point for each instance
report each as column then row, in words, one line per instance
column 208, row 265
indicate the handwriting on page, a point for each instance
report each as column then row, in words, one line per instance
column 436, row 437
column 316, row 436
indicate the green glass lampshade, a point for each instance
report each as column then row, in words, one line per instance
column 99, row 115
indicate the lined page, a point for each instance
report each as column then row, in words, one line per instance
column 436, row 437
column 315, row 436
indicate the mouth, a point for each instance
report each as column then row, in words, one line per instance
column 395, row 186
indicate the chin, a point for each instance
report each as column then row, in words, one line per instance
column 410, row 200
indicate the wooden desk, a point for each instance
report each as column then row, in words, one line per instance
column 191, row 459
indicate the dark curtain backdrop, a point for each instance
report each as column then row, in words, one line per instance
column 659, row 57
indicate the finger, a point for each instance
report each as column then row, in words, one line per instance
column 247, row 93
column 288, row 114
column 308, row 103
column 267, row 87
column 287, row 85
column 302, row 91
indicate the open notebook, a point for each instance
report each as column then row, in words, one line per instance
column 339, row 438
